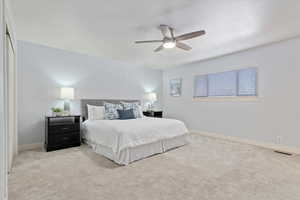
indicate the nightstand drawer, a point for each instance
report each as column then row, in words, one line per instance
column 64, row 139
column 62, row 129
column 62, row 132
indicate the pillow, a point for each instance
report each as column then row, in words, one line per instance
column 141, row 111
column 110, row 110
column 95, row 112
column 134, row 106
column 126, row 114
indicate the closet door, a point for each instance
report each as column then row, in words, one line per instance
column 11, row 95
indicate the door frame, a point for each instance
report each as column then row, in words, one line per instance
column 3, row 138
column 6, row 24
column 14, row 148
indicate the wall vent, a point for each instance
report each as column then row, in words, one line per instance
column 284, row 153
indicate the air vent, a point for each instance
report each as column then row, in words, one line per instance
column 284, row 153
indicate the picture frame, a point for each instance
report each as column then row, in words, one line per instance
column 175, row 87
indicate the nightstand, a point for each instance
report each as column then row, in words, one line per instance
column 62, row 132
column 158, row 114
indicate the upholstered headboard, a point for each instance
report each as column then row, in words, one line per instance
column 99, row 102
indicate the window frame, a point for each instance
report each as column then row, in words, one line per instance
column 236, row 97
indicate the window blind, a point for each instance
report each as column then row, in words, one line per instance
column 232, row 83
column 201, row 86
column 247, row 82
column 222, row 84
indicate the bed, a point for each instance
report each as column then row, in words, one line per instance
column 126, row 141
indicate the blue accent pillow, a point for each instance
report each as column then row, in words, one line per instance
column 110, row 110
column 126, row 114
column 134, row 106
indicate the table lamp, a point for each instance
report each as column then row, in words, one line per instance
column 67, row 94
column 152, row 98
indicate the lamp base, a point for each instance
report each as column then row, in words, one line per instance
column 67, row 106
column 150, row 106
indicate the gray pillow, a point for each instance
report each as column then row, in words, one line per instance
column 110, row 110
column 126, row 114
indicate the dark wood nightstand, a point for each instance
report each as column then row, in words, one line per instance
column 62, row 132
column 158, row 114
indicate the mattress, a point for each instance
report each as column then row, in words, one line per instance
column 125, row 141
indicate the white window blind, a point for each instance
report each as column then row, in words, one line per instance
column 222, row 84
column 247, row 82
column 201, row 86
column 232, row 83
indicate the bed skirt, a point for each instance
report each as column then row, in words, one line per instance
column 132, row 154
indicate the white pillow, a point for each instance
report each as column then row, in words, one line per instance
column 95, row 112
column 141, row 111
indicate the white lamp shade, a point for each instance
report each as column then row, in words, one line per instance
column 67, row 93
column 151, row 97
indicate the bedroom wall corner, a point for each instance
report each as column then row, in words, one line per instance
column 43, row 70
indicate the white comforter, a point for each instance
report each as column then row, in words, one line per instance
column 121, row 134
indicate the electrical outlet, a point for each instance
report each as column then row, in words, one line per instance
column 278, row 139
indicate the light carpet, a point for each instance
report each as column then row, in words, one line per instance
column 207, row 168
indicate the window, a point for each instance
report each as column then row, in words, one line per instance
column 232, row 83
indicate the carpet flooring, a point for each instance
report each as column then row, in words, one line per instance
column 206, row 169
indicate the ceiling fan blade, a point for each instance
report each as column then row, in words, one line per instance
column 183, row 46
column 148, row 41
column 161, row 47
column 190, row 35
column 164, row 29
column 172, row 32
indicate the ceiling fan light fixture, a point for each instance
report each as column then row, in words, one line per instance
column 169, row 40
column 169, row 45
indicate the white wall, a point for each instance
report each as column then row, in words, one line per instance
column 277, row 111
column 43, row 70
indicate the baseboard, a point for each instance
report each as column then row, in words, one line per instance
column 26, row 147
column 275, row 147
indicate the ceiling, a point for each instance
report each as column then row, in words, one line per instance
column 108, row 28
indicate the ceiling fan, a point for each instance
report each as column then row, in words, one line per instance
column 171, row 41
